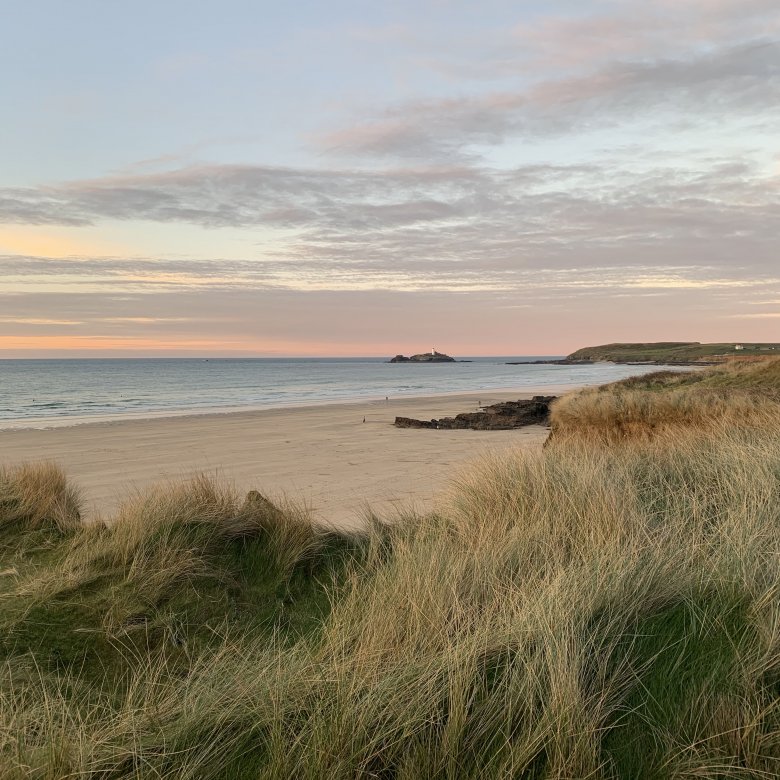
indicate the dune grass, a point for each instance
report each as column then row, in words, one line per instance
column 36, row 497
column 737, row 394
column 595, row 610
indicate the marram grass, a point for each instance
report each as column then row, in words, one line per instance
column 589, row 611
column 737, row 394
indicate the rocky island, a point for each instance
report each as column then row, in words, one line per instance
column 424, row 357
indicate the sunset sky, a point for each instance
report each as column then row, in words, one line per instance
column 356, row 178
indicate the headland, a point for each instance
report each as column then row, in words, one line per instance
column 663, row 353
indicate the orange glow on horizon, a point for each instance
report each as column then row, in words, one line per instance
column 57, row 242
column 65, row 343
column 43, row 345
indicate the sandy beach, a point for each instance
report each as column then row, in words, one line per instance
column 324, row 456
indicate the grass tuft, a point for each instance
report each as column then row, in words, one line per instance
column 37, row 496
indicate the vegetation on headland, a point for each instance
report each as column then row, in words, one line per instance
column 606, row 608
column 672, row 352
column 738, row 394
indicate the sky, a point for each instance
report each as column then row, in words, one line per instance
column 358, row 178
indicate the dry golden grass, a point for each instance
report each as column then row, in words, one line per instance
column 37, row 495
column 737, row 394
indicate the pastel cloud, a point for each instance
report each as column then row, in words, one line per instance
column 727, row 81
column 609, row 163
column 445, row 228
column 571, row 40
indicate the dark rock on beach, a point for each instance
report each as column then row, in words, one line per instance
column 410, row 422
column 502, row 416
column 259, row 507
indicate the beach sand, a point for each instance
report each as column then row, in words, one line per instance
column 323, row 456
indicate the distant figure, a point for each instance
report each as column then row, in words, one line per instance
column 386, row 399
column 364, row 419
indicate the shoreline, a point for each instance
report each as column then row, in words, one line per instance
column 322, row 456
column 55, row 423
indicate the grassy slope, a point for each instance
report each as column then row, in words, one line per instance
column 671, row 351
column 737, row 394
column 595, row 610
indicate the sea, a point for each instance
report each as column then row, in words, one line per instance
column 51, row 393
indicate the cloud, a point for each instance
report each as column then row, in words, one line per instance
column 661, row 201
column 720, row 84
column 439, row 218
column 347, row 208
column 239, row 195
column 587, row 37
column 448, row 228
column 4, row 319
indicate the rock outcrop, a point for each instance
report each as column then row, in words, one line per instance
column 496, row 417
column 424, row 357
